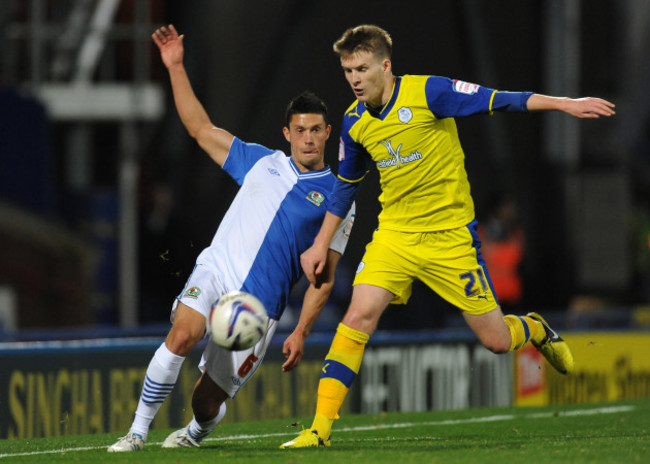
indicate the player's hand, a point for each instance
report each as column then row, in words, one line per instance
column 313, row 262
column 589, row 108
column 293, row 349
column 170, row 45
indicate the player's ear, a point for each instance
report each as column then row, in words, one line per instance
column 327, row 132
column 387, row 65
column 287, row 134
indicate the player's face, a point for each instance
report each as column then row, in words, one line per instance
column 370, row 77
column 307, row 134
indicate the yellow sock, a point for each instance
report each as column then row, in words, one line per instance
column 340, row 368
column 523, row 329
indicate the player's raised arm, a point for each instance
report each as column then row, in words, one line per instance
column 588, row 107
column 215, row 141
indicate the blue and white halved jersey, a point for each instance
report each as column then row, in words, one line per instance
column 274, row 218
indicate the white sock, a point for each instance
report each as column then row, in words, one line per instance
column 199, row 430
column 159, row 381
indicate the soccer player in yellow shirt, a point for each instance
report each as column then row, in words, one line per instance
column 405, row 126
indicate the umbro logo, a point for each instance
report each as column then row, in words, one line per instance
column 274, row 172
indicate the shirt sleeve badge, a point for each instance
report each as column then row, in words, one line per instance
column 465, row 87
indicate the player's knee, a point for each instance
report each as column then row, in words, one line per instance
column 181, row 339
column 363, row 321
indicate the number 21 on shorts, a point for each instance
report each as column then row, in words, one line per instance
column 472, row 287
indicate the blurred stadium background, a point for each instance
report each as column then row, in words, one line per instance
column 105, row 201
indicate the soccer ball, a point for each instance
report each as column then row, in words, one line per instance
column 238, row 320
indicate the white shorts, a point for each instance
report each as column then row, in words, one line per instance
column 229, row 369
column 203, row 288
column 232, row 369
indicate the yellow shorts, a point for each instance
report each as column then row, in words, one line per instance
column 448, row 262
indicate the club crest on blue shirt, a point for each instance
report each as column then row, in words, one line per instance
column 405, row 114
column 315, row 197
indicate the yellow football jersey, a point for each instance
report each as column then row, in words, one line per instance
column 414, row 144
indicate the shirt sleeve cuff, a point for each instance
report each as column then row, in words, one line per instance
column 510, row 101
column 342, row 197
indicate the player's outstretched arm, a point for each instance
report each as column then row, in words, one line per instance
column 312, row 305
column 588, row 107
column 216, row 142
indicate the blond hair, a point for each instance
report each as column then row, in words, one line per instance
column 365, row 38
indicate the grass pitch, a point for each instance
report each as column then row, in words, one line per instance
column 593, row 433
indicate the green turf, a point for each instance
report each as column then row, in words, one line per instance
column 593, row 433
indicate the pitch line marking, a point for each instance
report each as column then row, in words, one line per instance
column 471, row 420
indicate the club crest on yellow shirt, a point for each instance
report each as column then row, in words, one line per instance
column 405, row 114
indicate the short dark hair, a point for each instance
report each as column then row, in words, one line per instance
column 365, row 38
column 306, row 103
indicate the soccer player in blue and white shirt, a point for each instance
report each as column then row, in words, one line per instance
column 272, row 220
